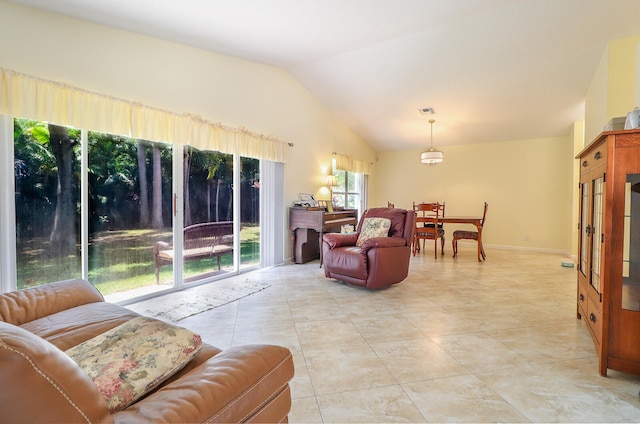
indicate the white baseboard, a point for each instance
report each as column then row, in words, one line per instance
column 524, row 249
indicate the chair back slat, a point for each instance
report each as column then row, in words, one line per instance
column 484, row 214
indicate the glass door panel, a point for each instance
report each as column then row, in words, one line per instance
column 208, row 198
column 46, row 167
column 631, row 248
column 596, row 233
column 130, row 209
column 584, row 231
column 249, row 212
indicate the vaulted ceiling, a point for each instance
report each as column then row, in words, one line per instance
column 491, row 69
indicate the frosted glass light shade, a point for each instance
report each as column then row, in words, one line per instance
column 431, row 157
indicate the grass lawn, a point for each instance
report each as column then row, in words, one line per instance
column 122, row 260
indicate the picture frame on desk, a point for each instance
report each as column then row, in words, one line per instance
column 326, row 205
column 306, row 197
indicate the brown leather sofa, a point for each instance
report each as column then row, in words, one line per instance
column 39, row 383
column 380, row 261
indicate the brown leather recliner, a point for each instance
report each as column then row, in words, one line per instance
column 380, row 261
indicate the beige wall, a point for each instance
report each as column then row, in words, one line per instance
column 181, row 79
column 527, row 183
column 171, row 76
column 615, row 87
column 578, row 145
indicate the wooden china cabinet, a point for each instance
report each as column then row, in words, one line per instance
column 609, row 248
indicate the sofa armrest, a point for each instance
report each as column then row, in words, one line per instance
column 26, row 305
column 236, row 385
column 339, row 240
column 40, row 383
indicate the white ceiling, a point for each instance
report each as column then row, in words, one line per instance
column 492, row 69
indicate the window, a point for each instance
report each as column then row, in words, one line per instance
column 349, row 191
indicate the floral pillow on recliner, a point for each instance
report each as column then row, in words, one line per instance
column 373, row 227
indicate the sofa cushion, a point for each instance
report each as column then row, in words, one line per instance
column 373, row 227
column 73, row 326
column 132, row 359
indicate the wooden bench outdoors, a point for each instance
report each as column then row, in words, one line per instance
column 201, row 241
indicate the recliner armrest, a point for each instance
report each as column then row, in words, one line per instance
column 339, row 240
column 381, row 242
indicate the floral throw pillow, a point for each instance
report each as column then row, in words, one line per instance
column 132, row 359
column 373, row 227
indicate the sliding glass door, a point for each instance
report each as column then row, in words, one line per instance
column 130, row 209
column 208, row 214
column 115, row 224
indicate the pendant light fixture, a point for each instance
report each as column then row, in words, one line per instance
column 431, row 157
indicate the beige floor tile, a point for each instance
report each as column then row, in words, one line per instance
column 250, row 315
column 328, row 332
column 548, row 343
column 345, row 367
column 556, row 393
column 479, row 352
column 417, row 359
column 439, row 322
column 367, row 306
column 388, row 404
column 316, row 309
column 461, row 399
column 305, row 410
column 379, row 328
column 300, row 385
column 282, row 334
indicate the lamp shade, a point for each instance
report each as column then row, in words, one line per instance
column 431, row 157
column 331, row 181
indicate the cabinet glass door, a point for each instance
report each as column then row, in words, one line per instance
column 596, row 233
column 631, row 250
column 585, row 229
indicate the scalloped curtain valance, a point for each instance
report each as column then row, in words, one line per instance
column 348, row 163
column 30, row 97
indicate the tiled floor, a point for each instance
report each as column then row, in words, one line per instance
column 457, row 341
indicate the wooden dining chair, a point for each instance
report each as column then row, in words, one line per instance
column 440, row 224
column 428, row 227
column 471, row 235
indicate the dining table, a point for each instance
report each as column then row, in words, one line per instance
column 472, row 220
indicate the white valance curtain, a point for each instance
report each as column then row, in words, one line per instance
column 30, row 97
column 348, row 163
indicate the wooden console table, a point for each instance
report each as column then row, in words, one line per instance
column 304, row 248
